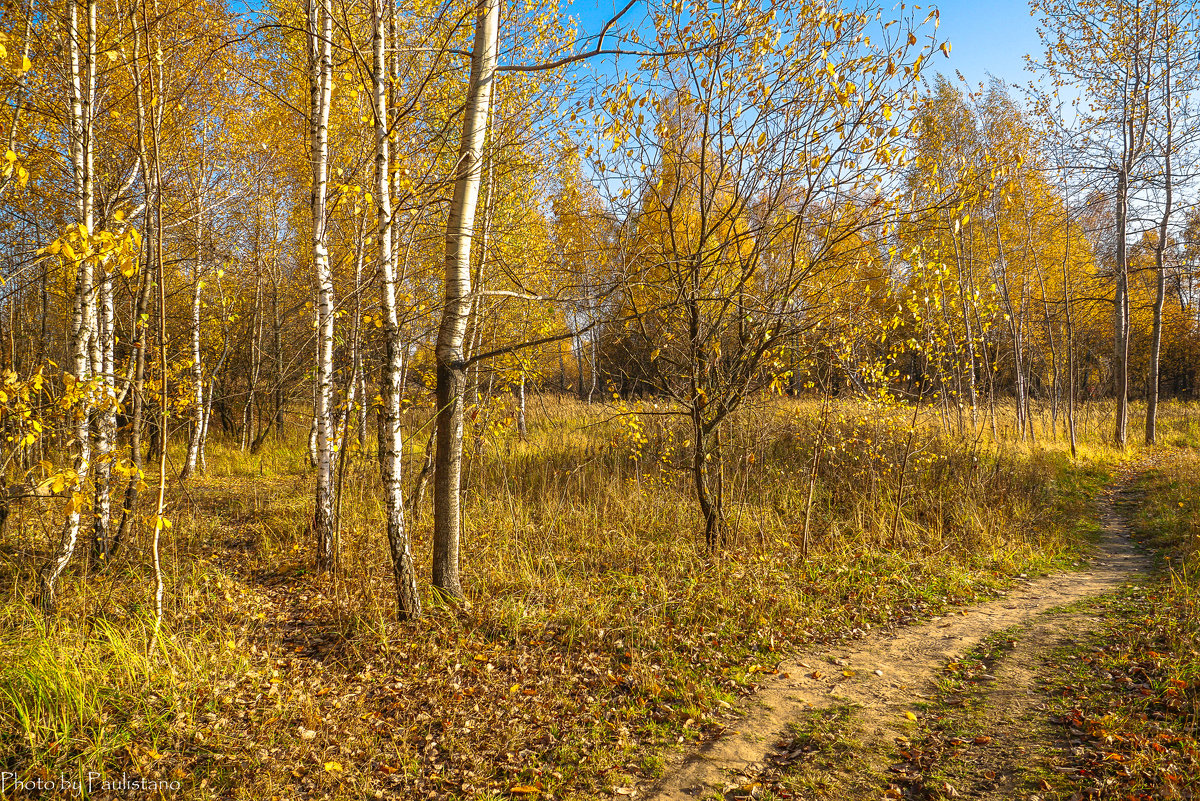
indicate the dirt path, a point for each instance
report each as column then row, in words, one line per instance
column 883, row 676
column 1022, row 744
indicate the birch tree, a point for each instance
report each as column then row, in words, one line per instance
column 1106, row 47
column 451, row 372
column 404, row 573
column 773, row 145
column 320, row 35
column 81, row 61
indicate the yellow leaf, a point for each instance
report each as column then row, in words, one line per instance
column 112, row 54
column 523, row 789
column 331, row 767
column 26, row 64
column 910, row 716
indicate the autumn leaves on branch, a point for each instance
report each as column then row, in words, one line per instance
column 703, row 203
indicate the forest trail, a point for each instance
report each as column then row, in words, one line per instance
column 885, row 675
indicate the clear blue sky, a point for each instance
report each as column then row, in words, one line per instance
column 985, row 37
column 988, row 37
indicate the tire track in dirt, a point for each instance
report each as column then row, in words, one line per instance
column 1023, row 743
column 890, row 671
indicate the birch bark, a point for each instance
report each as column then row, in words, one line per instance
column 81, row 52
column 407, row 600
column 451, row 375
column 321, row 77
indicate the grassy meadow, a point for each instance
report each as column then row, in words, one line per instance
column 600, row 635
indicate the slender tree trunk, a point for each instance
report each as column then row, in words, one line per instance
column 212, row 382
column 451, row 375
column 277, row 352
column 595, row 343
column 106, row 420
column 1070, row 326
column 1160, row 272
column 141, row 310
column 164, row 407
column 408, row 601
column 1121, row 318
column 522, row 431
column 580, row 389
column 193, row 449
column 81, row 68
column 321, row 77
column 968, row 334
column 255, row 363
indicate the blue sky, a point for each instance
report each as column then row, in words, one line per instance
column 985, row 37
column 988, row 38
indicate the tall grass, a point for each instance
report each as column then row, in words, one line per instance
column 588, row 581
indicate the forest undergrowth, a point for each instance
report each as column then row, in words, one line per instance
column 600, row 635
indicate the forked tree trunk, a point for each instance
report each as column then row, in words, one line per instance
column 451, row 374
column 707, row 480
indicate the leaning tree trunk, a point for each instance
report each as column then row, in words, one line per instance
column 408, row 602
column 451, row 373
column 321, row 76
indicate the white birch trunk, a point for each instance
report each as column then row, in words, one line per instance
column 408, row 601
column 451, row 375
column 321, row 78
column 193, row 450
column 521, row 429
column 82, row 72
column 106, row 418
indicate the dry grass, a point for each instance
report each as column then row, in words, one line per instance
column 600, row 634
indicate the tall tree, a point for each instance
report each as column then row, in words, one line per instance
column 320, row 34
column 81, row 69
column 451, row 372
column 1107, row 48
column 408, row 601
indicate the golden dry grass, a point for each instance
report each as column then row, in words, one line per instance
column 600, row 634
